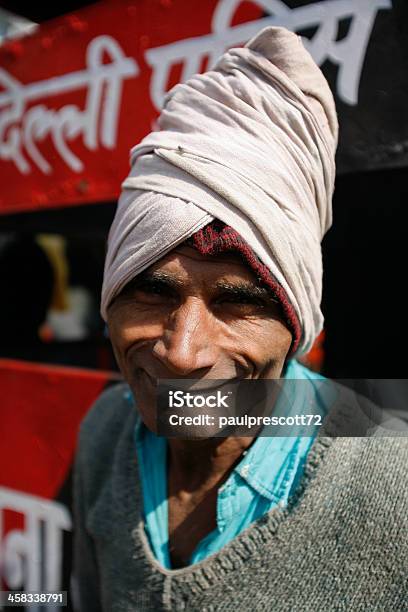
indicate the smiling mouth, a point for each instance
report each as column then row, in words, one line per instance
column 213, row 385
column 197, row 384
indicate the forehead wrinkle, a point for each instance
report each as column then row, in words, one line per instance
column 178, row 281
column 232, row 266
column 229, row 278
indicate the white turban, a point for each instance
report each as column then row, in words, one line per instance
column 252, row 143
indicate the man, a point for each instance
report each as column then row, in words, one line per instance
column 213, row 271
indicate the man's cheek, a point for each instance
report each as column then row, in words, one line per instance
column 146, row 404
column 118, row 351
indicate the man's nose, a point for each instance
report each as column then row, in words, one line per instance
column 187, row 342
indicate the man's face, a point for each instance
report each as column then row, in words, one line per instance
column 198, row 317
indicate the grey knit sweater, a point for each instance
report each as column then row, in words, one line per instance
column 340, row 544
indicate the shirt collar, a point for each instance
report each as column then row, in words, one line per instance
column 271, row 463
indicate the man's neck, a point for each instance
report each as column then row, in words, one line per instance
column 196, row 470
column 200, row 464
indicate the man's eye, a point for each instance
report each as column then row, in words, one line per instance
column 157, row 290
column 240, row 300
column 150, row 288
column 149, row 293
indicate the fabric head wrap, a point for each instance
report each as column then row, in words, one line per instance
column 252, row 143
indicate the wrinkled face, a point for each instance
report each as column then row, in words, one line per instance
column 194, row 316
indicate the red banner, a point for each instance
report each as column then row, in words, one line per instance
column 76, row 95
column 41, row 408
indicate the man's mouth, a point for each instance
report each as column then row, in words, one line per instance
column 197, row 385
column 211, row 384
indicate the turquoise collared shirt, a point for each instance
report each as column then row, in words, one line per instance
column 266, row 476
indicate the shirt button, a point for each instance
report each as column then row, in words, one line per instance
column 245, row 471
